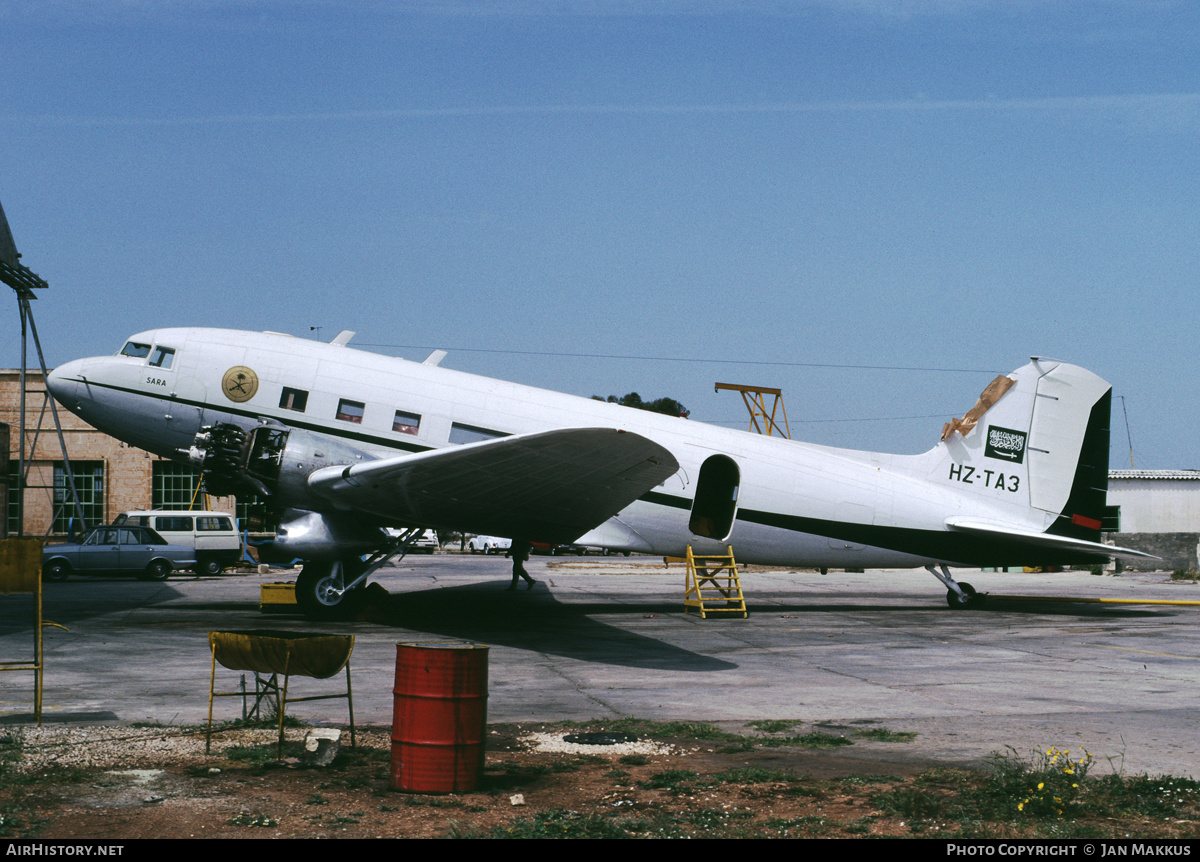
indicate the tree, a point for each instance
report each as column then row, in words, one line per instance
column 666, row 406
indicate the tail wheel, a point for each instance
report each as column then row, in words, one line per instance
column 968, row 600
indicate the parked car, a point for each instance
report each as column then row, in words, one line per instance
column 556, row 550
column 488, row 544
column 114, row 549
column 213, row 535
column 426, row 543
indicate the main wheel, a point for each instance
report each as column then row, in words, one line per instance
column 56, row 571
column 321, row 588
column 969, row 598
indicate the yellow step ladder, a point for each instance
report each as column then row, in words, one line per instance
column 713, row 584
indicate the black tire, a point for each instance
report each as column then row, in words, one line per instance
column 208, row 566
column 57, row 570
column 158, row 570
column 316, row 591
column 969, row 600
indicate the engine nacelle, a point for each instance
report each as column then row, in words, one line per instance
column 314, row 536
column 269, row 460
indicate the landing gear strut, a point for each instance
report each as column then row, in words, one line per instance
column 959, row 594
column 324, row 589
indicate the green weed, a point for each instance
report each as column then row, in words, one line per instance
column 673, row 780
column 772, row 725
column 815, row 739
column 882, row 734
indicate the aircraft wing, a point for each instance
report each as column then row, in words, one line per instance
column 551, row 486
column 1033, row 539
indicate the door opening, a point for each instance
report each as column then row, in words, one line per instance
column 715, row 504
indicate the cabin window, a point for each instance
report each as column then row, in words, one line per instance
column 460, row 434
column 162, row 357
column 406, row 423
column 137, row 351
column 209, row 523
column 293, row 399
column 350, row 411
column 174, row 523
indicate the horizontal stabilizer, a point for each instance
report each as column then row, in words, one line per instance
column 551, row 486
column 1033, row 539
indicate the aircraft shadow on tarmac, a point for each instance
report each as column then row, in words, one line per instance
column 536, row 620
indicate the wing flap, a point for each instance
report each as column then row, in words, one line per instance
column 551, row 486
column 1034, row 539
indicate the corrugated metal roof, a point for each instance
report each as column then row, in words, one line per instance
column 1155, row 474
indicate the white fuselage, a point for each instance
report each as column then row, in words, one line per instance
column 790, row 496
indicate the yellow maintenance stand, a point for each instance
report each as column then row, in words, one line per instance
column 712, row 584
column 21, row 572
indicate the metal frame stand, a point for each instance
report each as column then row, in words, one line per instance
column 24, row 281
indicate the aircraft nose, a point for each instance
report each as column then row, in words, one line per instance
column 63, row 381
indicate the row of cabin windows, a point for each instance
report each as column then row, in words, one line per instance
column 402, row 423
column 348, row 411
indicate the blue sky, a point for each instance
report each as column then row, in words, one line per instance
column 876, row 206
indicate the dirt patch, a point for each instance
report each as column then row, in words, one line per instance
column 133, row 787
column 768, row 779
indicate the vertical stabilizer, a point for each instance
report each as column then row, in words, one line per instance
column 1040, row 444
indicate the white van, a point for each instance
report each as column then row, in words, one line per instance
column 214, row 535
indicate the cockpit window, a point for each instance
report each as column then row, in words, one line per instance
column 162, row 357
column 137, row 351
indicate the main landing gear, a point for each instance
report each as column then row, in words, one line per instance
column 326, row 589
column 959, row 595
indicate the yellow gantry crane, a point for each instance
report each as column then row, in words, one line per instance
column 755, row 399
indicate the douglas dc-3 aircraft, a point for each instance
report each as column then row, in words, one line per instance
column 345, row 444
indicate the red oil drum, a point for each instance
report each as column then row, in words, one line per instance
column 440, row 716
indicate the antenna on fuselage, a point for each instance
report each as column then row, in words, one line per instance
column 25, row 281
